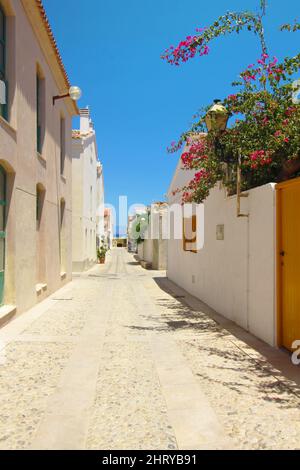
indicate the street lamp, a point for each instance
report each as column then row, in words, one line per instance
column 74, row 93
column 216, row 120
column 217, row 117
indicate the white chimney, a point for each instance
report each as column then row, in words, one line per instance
column 84, row 120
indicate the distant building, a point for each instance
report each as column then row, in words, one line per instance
column 132, row 220
column 132, row 244
column 100, row 232
column 35, row 160
column 108, row 228
column 119, row 242
column 152, row 251
column 88, row 195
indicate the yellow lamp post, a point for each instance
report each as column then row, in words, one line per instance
column 217, row 117
column 216, row 120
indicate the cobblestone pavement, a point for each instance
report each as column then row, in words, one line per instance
column 116, row 361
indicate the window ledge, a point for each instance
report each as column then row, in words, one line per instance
column 40, row 288
column 5, row 123
column 6, row 312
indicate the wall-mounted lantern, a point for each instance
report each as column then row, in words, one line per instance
column 217, row 117
column 216, row 120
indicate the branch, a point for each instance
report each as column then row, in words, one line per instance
column 229, row 23
column 292, row 28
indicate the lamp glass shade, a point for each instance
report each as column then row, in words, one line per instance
column 75, row 93
column 217, row 117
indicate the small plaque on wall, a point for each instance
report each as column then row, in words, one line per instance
column 220, row 232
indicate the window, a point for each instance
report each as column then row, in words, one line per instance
column 40, row 112
column 62, row 145
column 62, row 236
column 3, row 52
column 40, row 196
column 190, row 234
column 40, row 235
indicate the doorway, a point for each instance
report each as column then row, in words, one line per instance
column 288, row 256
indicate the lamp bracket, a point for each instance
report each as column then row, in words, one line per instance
column 60, row 97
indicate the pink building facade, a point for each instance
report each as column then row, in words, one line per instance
column 35, row 161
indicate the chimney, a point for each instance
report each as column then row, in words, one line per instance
column 84, row 120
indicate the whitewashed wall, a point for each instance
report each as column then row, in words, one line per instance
column 234, row 276
column 141, row 251
column 148, row 251
column 86, row 190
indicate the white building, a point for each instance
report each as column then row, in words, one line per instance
column 100, row 231
column 88, row 195
column 108, row 228
column 235, row 271
column 152, row 251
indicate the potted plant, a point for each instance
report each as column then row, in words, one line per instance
column 101, row 254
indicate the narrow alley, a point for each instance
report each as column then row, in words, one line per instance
column 121, row 358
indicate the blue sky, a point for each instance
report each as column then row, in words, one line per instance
column 139, row 103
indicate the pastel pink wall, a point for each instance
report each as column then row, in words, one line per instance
column 19, row 156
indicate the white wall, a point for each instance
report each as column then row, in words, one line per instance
column 100, row 205
column 148, row 250
column 235, row 276
column 85, row 200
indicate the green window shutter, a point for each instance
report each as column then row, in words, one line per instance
column 3, row 54
column 38, row 125
column 39, row 138
column 5, row 106
column 62, row 145
column 2, row 43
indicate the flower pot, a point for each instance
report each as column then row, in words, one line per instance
column 101, row 260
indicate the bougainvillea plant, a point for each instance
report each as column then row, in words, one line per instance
column 265, row 117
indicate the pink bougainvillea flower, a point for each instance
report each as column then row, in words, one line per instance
column 205, row 50
column 259, row 158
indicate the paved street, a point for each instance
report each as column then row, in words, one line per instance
column 122, row 359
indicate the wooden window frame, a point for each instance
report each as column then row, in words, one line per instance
column 193, row 221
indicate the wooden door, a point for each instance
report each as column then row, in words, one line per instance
column 289, row 262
